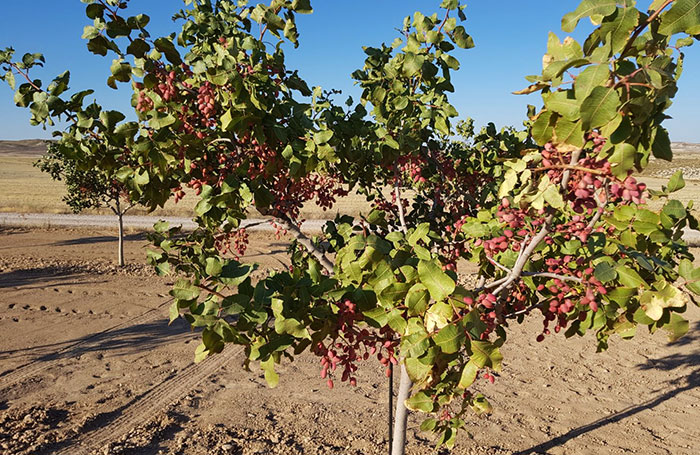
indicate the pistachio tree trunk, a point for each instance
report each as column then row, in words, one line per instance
column 120, row 217
column 399, row 438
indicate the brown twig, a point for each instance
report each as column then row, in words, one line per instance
column 307, row 243
column 210, row 291
column 641, row 27
column 568, row 167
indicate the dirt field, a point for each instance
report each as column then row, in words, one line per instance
column 89, row 365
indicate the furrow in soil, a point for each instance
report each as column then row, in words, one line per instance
column 145, row 407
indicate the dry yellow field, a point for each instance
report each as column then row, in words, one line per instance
column 25, row 189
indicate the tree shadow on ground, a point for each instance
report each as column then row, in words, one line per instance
column 100, row 239
column 117, row 342
column 671, row 362
column 59, row 272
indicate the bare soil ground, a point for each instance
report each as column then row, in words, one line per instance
column 88, row 365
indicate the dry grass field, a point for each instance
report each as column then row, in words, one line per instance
column 25, row 189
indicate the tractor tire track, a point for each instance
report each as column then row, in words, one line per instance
column 143, row 409
column 36, row 366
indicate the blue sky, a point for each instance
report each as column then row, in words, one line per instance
column 510, row 40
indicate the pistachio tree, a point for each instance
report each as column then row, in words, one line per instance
column 552, row 216
column 89, row 188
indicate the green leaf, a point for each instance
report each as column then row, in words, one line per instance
column 161, row 120
column 450, row 338
column 213, row 267
column 563, row 103
column 292, row 327
column 486, row 354
column 417, row 299
column 677, row 327
column 121, row 71
column 419, row 233
column 590, row 78
column 543, row 127
column 302, row 6
column 174, row 312
column 623, row 158
column 138, row 48
column 439, row 284
column 684, row 16
column 416, row 369
column 412, row 63
column 553, row 197
column 124, row 174
column 676, row 182
column 468, row 376
column 480, row 405
column 461, row 38
column 428, row 424
column 630, row 278
column 167, row 47
column 94, row 11
column 322, row 137
column 587, row 8
column 674, row 209
column 620, row 26
column 184, row 290
column 600, row 107
column 661, row 148
column 201, row 353
column 604, row 272
column 420, row 402
column 271, row 375
column 202, row 207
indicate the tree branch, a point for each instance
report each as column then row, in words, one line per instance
column 553, row 275
column 527, row 251
column 641, row 27
column 599, row 210
column 500, row 266
column 397, row 189
column 211, row 291
column 307, row 243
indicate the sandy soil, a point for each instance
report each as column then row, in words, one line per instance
column 88, row 365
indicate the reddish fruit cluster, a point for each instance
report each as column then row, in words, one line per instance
column 629, row 190
column 206, row 100
column 234, row 242
column 349, row 344
column 489, row 377
column 499, row 244
column 598, row 141
column 412, row 166
column 143, row 103
column 455, row 246
column 513, row 217
column 290, row 194
column 178, row 194
column 565, row 297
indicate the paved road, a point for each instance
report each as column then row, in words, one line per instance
column 146, row 222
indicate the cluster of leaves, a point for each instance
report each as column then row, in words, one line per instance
column 552, row 215
column 86, row 188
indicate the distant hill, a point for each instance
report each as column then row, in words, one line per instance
column 28, row 147
column 685, row 147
